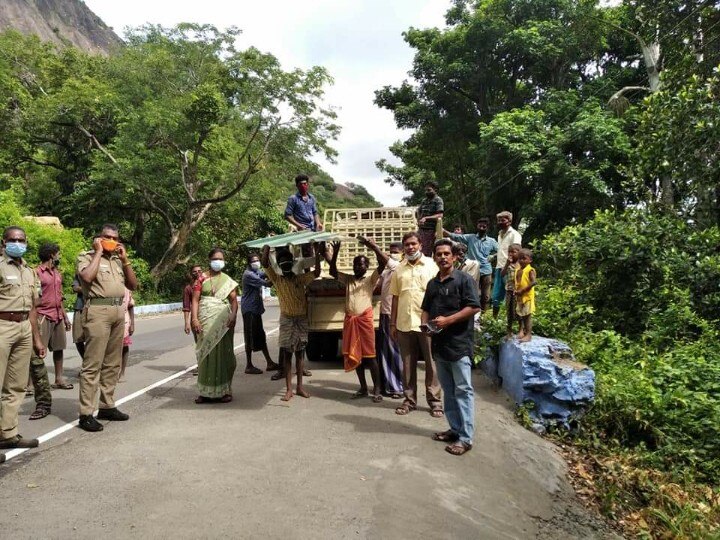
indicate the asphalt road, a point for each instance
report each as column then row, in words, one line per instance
column 324, row 467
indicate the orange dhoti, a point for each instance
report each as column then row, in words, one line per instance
column 358, row 338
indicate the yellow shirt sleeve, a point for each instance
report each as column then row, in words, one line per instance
column 394, row 285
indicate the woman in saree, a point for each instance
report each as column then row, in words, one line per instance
column 214, row 312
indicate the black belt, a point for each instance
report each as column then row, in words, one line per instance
column 14, row 316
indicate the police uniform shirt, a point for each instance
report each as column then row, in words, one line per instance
column 18, row 287
column 110, row 279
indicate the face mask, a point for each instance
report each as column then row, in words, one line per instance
column 109, row 245
column 255, row 265
column 303, row 189
column 396, row 256
column 217, row 265
column 15, row 249
column 415, row 256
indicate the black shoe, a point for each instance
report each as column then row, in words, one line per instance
column 277, row 376
column 88, row 423
column 112, row 414
column 18, row 442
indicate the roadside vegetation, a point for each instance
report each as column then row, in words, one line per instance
column 598, row 126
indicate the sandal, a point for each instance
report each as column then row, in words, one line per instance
column 437, row 413
column 404, row 409
column 40, row 412
column 277, row 376
column 395, row 396
column 458, row 448
column 201, row 399
column 377, row 398
column 359, row 394
column 227, row 398
column 63, row 386
column 445, row 436
column 253, row 371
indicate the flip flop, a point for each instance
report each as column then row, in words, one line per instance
column 40, row 412
column 359, row 394
column 445, row 436
column 437, row 413
column 65, row 386
column 404, row 409
column 458, row 448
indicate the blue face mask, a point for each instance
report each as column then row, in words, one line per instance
column 217, row 265
column 15, row 249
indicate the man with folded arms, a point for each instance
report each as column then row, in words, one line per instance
column 18, row 335
column 105, row 272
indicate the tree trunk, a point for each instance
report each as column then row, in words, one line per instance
column 667, row 192
column 179, row 238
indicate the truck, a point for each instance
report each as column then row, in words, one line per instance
column 326, row 296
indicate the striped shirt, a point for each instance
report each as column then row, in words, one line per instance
column 291, row 292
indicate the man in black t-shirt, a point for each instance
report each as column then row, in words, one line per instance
column 450, row 304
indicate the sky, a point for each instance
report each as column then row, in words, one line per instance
column 358, row 41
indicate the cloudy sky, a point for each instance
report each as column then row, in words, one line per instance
column 358, row 41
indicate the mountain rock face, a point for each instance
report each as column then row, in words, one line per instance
column 60, row 22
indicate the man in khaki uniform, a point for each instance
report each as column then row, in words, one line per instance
column 104, row 272
column 18, row 334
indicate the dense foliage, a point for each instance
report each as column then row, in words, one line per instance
column 180, row 138
column 555, row 108
column 597, row 124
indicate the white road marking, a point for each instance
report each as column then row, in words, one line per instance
column 67, row 427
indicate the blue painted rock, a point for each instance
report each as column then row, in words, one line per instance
column 545, row 372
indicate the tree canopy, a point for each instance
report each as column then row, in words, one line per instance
column 555, row 108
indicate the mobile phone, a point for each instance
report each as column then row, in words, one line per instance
column 430, row 328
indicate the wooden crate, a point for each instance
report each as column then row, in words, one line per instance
column 383, row 225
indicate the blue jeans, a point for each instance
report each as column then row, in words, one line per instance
column 498, row 292
column 459, row 397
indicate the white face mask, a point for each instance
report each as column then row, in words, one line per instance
column 255, row 265
column 396, row 256
column 217, row 265
column 415, row 256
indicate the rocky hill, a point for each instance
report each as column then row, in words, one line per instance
column 60, row 22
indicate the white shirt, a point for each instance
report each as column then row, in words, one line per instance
column 385, row 278
column 505, row 240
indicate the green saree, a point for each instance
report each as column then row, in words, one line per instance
column 214, row 348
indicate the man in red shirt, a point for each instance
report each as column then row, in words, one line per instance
column 53, row 322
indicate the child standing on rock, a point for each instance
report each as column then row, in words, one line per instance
column 525, row 281
column 508, row 273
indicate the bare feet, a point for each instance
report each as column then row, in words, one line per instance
column 288, row 396
column 525, row 339
column 300, row 391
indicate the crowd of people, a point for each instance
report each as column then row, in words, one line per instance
column 431, row 290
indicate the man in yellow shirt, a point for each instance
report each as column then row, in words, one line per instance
column 293, row 338
column 408, row 289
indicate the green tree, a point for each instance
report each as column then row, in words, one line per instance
column 199, row 120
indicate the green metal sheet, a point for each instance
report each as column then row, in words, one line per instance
column 294, row 239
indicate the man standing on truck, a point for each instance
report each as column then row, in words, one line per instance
column 301, row 210
column 359, row 328
column 428, row 213
column 408, row 286
column 293, row 336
